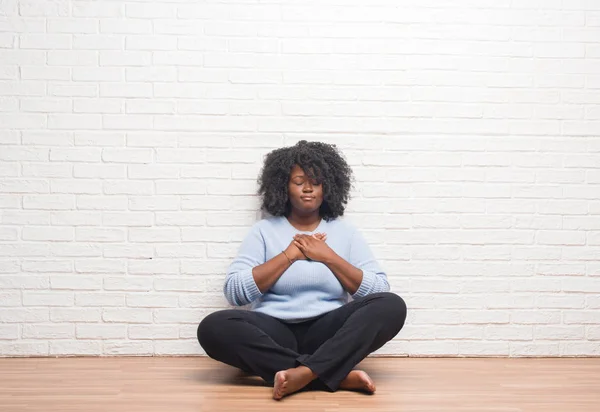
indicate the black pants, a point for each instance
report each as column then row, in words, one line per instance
column 330, row 345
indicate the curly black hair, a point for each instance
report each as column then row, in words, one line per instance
column 320, row 161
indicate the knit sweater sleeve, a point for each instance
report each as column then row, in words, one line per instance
column 374, row 278
column 240, row 288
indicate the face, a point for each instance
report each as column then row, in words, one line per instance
column 306, row 195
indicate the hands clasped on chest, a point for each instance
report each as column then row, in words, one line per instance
column 309, row 247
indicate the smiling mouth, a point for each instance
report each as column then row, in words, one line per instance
column 307, row 198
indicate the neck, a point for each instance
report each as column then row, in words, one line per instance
column 305, row 222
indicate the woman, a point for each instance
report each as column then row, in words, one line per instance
column 298, row 269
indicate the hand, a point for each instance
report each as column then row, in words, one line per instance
column 294, row 252
column 314, row 247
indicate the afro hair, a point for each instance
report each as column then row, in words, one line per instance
column 320, row 161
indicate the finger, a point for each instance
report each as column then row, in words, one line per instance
column 299, row 245
column 303, row 238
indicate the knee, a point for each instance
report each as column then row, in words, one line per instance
column 392, row 309
column 207, row 333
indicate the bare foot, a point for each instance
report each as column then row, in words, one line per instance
column 358, row 381
column 291, row 380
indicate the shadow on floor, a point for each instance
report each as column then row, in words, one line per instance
column 226, row 375
column 222, row 374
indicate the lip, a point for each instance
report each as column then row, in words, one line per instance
column 307, row 197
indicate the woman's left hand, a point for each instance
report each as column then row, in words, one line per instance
column 313, row 247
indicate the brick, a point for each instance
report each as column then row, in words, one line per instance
column 24, row 153
column 47, row 265
column 23, row 315
column 154, row 235
column 47, row 42
column 547, row 332
column 9, row 332
column 153, row 332
column 153, row 266
column 95, row 9
column 76, row 186
column 534, row 349
column 12, row 298
column 50, row 332
column 128, row 348
column 47, row 234
column 580, row 317
column 127, row 155
column 128, row 187
column 151, row 301
column 47, row 73
column 99, row 266
column 87, row 234
column 72, row 25
column 78, row 282
column 102, row 299
column 101, row 202
column 75, row 314
column 21, row 348
column 101, row 105
column 47, row 170
column 101, row 331
column 579, row 349
column 509, row 333
column 48, row 298
column 72, row 58
column 130, row 283
column 129, row 251
column 156, row 203
column 179, row 347
column 70, row 347
column 127, row 315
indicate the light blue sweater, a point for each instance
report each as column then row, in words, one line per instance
column 307, row 288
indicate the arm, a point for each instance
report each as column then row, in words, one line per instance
column 360, row 276
column 349, row 276
column 249, row 276
column 266, row 275
column 374, row 280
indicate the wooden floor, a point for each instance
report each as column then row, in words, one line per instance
column 201, row 384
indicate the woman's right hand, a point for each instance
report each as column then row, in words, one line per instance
column 294, row 253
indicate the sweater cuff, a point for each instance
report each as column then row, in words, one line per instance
column 368, row 281
column 250, row 288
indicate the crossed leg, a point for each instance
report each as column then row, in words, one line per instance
column 325, row 354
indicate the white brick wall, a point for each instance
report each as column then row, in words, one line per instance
column 132, row 131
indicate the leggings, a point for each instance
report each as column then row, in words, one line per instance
column 330, row 345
